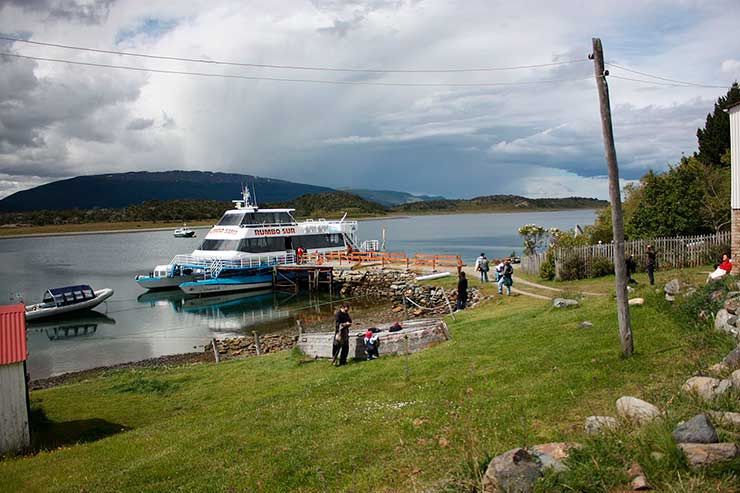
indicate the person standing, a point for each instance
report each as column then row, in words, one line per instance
column 651, row 264
column 481, row 265
column 342, row 323
column 506, row 278
column 462, row 292
column 631, row 266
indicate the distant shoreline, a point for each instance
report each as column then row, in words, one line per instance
column 135, row 227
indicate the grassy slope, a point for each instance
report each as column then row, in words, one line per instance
column 516, row 372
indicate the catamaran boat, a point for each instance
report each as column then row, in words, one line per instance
column 241, row 251
column 184, row 232
column 58, row 301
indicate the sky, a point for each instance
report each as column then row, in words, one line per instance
column 539, row 135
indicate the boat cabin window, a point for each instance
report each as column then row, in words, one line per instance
column 88, row 293
column 231, row 219
column 69, row 296
column 219, row 245
column 262, row 245
column 264, row 218
column 78, row 295
column 333, row 240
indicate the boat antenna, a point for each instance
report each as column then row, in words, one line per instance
column 254, row 193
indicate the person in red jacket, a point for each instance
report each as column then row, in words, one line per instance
column 726, row 264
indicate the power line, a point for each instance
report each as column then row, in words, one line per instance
column 281, row 79
column 291, row 67
column 674, row 81
column 667, row 84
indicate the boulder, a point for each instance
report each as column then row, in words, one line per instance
column 673, row 287
column 732, row 360
column 722, row 322
column 513, row 471
column 703, row 454
column 726, row 418
column 696, row 430
column 636, row 409
column 732, row 305
column 704, row 387
column 636, row 301
column 563, row 302
column 724, row 386
column 735, row 380
column 585, row 324
column 597, row 424
column 551, row 455
column 638, row 481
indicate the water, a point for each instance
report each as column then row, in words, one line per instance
column 135, row 325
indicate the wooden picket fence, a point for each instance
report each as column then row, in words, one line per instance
column 671, row 253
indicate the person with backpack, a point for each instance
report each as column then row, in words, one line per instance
column 651, row 264
column 481, row 265
column 462, row 292
column 342, row 323
column 506, row 278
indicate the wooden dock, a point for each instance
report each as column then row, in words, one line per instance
column 291, row 276
column 415, row 336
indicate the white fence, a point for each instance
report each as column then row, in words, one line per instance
column 671, row 253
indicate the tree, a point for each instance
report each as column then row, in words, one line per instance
column 714, row 138
column 533, row 237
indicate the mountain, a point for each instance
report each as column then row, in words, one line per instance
column 389, row 198
column 119, row 190
column 331, row 204
column 501, row 202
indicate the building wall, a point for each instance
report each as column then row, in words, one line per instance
column 735, row 154
column 14, row 434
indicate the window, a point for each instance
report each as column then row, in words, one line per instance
column 213, row 245
column 261, row 245
column 319, row 241
column 262, row 218
column 230, row 219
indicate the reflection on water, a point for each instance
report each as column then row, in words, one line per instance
column 73, row 325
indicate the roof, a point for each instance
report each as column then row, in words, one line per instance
column 13, row 346
column 67, row 289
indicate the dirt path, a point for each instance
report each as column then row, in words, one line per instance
column 549, row 288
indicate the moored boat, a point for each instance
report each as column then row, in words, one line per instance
column 68, row 299
column 184, row 232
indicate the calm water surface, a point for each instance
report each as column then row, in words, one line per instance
column 135, row 325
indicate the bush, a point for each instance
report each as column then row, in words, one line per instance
column 547, row 269
column 572, row 268
column 714, row 255
column 601, row 266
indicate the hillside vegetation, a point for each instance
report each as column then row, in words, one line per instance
column 502, row 203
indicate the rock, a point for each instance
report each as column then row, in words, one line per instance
column 551, row 455
column 732, row 360
column 638, row 481
column 636, row 409
column 586, row 324
column 732, row 320
column 397, row 309
column 716, row 295
column 597, row 424
column 563, row 302
column 724, row 386
column 722, row 322
column 704, row 387
column 696, row 430
column 703, row 454
column 732, row 305
column 726, row 418
column 513, row 471
column 636, row 301
column 673, row 287
column 735, row 379
column 670, row 297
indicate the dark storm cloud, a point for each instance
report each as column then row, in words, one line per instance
column 140, row 124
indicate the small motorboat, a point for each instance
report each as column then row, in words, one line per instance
column 184, row 232
column 167, row 276
column 58, row 301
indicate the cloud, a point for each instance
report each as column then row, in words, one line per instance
column 140, row 124
column 93, row 12
column 731, row 66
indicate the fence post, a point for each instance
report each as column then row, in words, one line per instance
column 257, row 342
column 215, row 350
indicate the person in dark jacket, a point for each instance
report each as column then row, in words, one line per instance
column 506, row 278
column 651, row 264
column 631, row 266
column 462, row 292
column 342, row 323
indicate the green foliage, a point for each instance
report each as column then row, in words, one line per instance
column 572, row 268
column 533, row 236
column 714, row 138
column 501, row 202
column 698, row 309
column 547, row 269
column 332, row 203
column 601, row 266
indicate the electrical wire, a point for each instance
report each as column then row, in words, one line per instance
column 290, row 67
column 676, row 83
column 666, row 84
column 281, row 79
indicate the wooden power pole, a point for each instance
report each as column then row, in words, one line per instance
column 620, row 269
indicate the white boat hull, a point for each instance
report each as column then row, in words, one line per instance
column 163, row 282
column 210, row 288
column 37, row 311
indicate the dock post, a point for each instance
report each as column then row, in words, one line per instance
column 215, row 350
column 257, row 342
column 300, row 328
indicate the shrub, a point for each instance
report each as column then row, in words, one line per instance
column 601, row 266
column 572, row 268
column 547, row 269
column 714, row 255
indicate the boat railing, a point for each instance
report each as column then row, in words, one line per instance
column 214, row 266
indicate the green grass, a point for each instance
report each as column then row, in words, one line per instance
column 516, row 372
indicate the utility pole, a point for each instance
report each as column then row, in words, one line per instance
column 620, row 269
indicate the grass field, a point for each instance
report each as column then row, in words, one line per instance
column 516, row 372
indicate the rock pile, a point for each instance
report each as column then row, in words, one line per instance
column 698, row 440
column 245, row 346
column 397, row 285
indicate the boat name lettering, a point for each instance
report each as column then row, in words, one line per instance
column 274, row 231
column 227, row 231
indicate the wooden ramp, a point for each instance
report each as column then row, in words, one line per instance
column 418, row 334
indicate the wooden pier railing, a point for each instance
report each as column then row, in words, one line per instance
column 387, row 259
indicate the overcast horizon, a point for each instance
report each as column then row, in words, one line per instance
column 531, row 138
